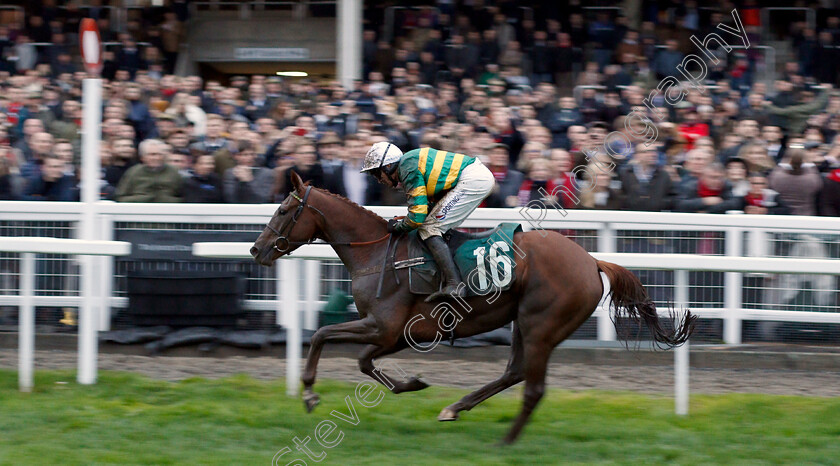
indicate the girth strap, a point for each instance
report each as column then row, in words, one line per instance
column 404, row 264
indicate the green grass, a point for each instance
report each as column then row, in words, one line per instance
column 127, row 418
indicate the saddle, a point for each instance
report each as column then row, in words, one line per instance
column 485, row 260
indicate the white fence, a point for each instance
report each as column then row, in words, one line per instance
column 725, row 295
column 28, row 247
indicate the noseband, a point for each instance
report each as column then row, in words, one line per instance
column 286, row 231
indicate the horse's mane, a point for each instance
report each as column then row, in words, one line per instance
column 367, row 212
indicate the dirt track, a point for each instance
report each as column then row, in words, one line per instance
column 464, row 374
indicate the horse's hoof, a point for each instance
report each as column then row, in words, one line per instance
column 447, row 415
column 311, row 400
column 414, row 384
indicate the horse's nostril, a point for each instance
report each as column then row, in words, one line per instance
column 254, row 251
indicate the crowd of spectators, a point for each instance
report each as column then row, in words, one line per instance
column 484, row 83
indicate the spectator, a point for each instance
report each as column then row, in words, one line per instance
column 180, row 161
column 171, row 35
column 138, row 113
column 329, row 148
column 530, row 152
column 63, row 149
column 50, row 183
column 695, row 162
column 359, row 187
column 762, row 200
column 25, row 54
column 646, row 185
column 129, row 57
column 257, row 105
column 538, row 186
column 305, row 164
column 508, row 181
column 605, row 194
column 542, row 59
column 214, row 142
column 185, row 114
column 772, row 139
column 7, row 181
column 30, row 127
column 709, row 194
column 123, row 158
column 736, row 176
column 246, row 183
column 69, row 126
column 564, row 179
column 797, row 183
column 830, row 196
column 795, row 117
column 41, row 145
column 152, row 180
column 203, row 185
column 691, row 128
column 667, row 59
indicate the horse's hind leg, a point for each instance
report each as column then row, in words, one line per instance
column 512, row 376
column 357, row 331
column 408, row 384
column 536, row 363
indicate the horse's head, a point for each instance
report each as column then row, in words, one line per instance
column 294, row 223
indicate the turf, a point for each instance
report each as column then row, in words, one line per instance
column 129, row 419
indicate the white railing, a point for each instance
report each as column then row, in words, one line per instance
column 743, row 239
column 28, row 247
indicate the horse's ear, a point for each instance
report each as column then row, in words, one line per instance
column 297, row 183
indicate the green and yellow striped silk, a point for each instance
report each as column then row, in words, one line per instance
column 426, row 173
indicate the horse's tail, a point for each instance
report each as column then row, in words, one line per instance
column 631, row 302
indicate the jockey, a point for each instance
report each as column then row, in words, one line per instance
column 443, row 189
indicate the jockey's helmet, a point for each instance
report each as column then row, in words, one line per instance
column 381, row 154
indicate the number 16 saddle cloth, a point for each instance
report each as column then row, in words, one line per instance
column 485, row 259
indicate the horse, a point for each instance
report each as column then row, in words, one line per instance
column 557, row 287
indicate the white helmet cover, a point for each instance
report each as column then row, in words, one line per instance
column 380, row 154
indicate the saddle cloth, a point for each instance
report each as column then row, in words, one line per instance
column 485, row 259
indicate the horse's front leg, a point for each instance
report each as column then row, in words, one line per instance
column 357, row 331
column 407, row 384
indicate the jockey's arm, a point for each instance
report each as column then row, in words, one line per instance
column 415, row 190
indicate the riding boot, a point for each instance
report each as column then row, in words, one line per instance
column 451, row 277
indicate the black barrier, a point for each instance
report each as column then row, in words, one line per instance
column 176, row 245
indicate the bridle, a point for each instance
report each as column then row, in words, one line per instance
column 291, row 225
column 286, row 231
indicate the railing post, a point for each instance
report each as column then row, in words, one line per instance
column 606, row 243
column 26, row 320
column 288, row 301
column 106, row 274
column 733, row 292
column 312, row 283
column 88, row 319
column 681, row 359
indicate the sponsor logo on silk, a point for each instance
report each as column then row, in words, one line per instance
column 449, row 205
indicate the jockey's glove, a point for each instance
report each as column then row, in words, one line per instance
column 396, row 225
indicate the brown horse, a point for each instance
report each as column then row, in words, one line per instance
column 557, row 287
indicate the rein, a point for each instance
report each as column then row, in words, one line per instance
column 284, row 240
